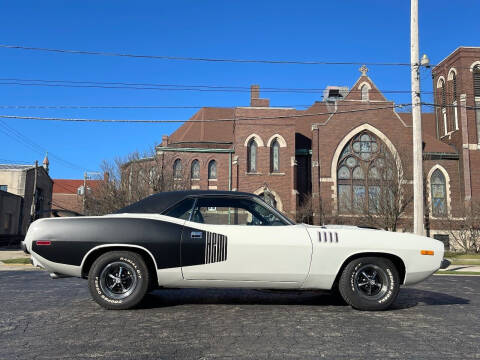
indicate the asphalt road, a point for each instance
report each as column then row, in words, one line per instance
column 56, row 319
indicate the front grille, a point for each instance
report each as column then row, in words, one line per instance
column 215, row 247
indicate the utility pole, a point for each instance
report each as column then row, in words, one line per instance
column 33, row 207
column 418, row 212
column 84, row 191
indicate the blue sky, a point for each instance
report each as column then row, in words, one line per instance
column 356, row 31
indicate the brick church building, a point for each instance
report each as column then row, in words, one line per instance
column 334, row 153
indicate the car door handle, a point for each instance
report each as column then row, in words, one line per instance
column 196, row 235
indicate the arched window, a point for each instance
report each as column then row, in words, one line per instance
column 476, row 81
column 195, row 170
column 212, row 170
column 365, row 172
column 454, row 85
column 275, row 156
column 269, row 198
column 365, row 93
column 438, row 193
column 152, row 174
column 177, row 169
column 252, row 156
column 444, row 106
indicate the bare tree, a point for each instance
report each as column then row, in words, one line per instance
column 131, row 179
column 464, row 232
column 389, row 194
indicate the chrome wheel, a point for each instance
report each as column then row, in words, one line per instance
column 118, row 280
column 371, row 281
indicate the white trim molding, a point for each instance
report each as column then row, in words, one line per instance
column 447, row 189
column 450, row 72
column 274, row 193
column 279, row 138
column 256, row 138
column 439, row 83
column 476, row 63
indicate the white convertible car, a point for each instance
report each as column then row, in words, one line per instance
column 226, row 239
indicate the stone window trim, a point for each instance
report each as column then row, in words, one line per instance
column 365, row 88
column 451, row 72
column 272, row 192
column 256, row 138
column 252, row 156
column 447, row 188
column 279, row 138
column 440, row 80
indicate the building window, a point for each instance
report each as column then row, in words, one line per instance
column 476, row 91
column 4, row 187
column 212, row 170
column 177, row 169
column 454, row 84
column 444, row 108
column 454, row 103
column 275, row 156
column 476, row 81
column 438, row 193
column 365, row 93
column 252, row 156
column 195, row 170
column 365, row 172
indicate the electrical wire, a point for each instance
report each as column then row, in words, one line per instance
column 201, row 59
column 198, row 120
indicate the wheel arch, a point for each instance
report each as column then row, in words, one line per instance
column 397, row 261
column 97, row 251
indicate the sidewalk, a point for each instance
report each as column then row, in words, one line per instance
column 7, row 253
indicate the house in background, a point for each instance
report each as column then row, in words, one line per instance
column 69, row 195
column 34, row 186
column 10, row 213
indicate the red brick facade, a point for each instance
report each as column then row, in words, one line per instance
column 312, row 140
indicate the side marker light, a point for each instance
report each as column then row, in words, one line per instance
column 426, row 252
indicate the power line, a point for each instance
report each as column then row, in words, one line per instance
column 468, row 107
column 201, row 59
column 198, row 120
column 171, row 87
column 19, row 137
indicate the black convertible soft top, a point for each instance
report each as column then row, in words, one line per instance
column 158, row 203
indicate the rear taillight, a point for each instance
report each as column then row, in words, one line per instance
column 43, row 242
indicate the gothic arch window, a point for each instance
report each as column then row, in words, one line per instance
column 269, row 198
column 365, row 93
column 438, row 193
column 444, row 106
column 177, row 169
column 212, row 170
column 365, row 172
column 476, row 81
column 195, row 170
column 252, row 148
column 275, row 156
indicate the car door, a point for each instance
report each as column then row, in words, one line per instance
column 241, row 239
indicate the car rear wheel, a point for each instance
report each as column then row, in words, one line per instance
column 118, row 280
column 369, row 283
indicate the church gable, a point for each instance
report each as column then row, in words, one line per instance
column 364, row 89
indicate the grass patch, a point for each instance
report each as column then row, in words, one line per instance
column 456, row 261
column 17, row 261
column 455, row 255
column 448, row 272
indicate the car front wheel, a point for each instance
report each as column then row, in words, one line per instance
column 118, row 280
column 369, row 283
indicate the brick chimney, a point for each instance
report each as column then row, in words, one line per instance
column 255, row 100
column 164, row 140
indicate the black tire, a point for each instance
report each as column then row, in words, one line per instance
column 369, row 283
column 118, row 280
